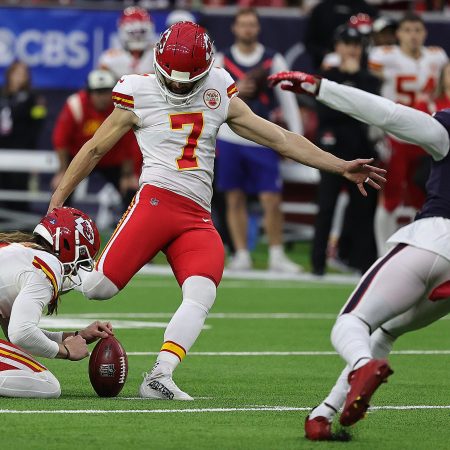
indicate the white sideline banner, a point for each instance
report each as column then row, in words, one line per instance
column 42, row 161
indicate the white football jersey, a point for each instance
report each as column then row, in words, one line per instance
column 406, row 77
column 121, row 62
column 178, row 143
column 15, row 260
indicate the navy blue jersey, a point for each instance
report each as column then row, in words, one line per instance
column 263, row 101
column 437, row 203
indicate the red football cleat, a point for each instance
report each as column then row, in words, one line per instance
column 318, row 429
column 363, row 383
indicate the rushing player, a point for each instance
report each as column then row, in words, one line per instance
column 137, row 37
column 34, row 269
column 176, row 114
column 408, row 288
column 410, row 72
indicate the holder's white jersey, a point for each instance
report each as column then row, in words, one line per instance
column 178, row 143
column 29, row 280
column 122, row 62
column 405, row 77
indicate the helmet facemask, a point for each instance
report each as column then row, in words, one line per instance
column 82, row 260
column 173, row 98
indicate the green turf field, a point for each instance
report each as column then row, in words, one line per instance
column 244, row 401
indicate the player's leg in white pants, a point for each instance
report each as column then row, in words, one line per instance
column 29, row 384
column 382, row 339
column 394, row 284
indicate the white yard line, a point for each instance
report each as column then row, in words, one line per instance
column 208, row 410
column 231, row 315
column 223, row 316
column 263, row 275
column 299, row 353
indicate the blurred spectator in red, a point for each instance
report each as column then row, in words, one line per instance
column 81, row 116
column 22, row 114
column 324, row 20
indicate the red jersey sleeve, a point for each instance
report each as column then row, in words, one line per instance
column 64, row 129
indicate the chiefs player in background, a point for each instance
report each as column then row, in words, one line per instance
column 176, row 114
column 441, row 97
column 34, row 270
column 410, row 72
column 137, row 37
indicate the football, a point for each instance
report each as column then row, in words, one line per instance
column 108, row 367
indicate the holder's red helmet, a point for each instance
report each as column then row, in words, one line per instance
column 183, row 54
column 136, row 29
column 73, row 237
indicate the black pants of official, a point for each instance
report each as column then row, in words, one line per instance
column 358, row 232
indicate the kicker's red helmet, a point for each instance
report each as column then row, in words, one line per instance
column 136, row 29
column 73, row 237
column 183, row 54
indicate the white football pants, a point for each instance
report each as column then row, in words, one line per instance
column 396, row 283
column 23, row 376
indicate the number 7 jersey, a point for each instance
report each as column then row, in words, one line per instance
column 178, row 143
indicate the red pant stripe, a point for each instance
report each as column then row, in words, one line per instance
column 128, row 213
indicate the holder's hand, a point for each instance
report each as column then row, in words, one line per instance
column 96, row 330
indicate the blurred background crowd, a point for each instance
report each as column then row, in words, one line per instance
column 305, row 5
column 57, row 91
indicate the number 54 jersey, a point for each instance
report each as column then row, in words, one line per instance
column 178, row 143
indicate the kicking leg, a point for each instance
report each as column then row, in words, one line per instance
column 95, row 285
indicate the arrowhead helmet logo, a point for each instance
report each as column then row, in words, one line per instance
column 85, row 229
column 163, row 40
